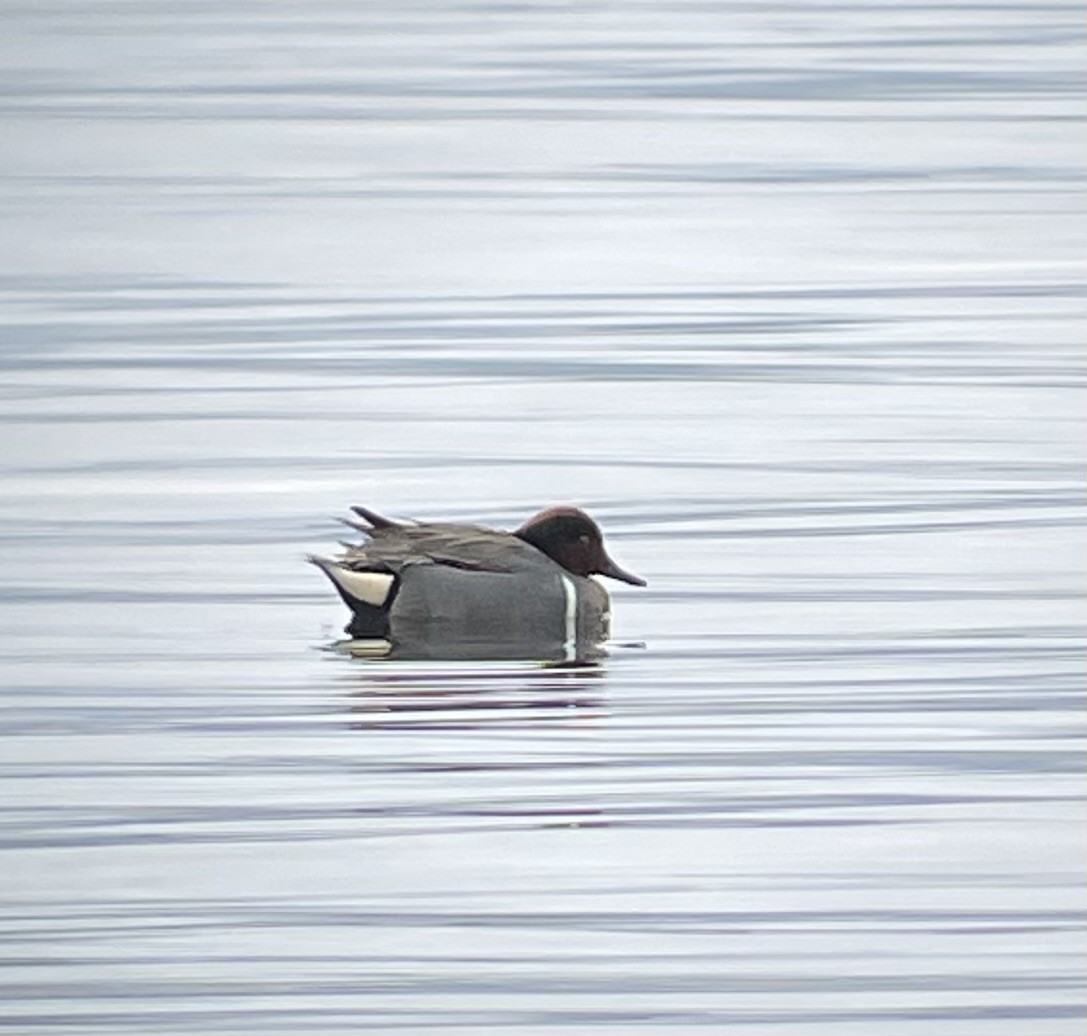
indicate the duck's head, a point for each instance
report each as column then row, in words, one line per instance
column 571, row 538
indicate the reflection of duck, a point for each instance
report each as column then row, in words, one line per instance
column 441, row 590
column 473, row 695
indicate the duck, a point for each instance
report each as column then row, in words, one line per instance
column 451, row 590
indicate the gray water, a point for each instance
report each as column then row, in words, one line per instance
column 788, row 295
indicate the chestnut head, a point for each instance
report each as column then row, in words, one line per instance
column 572, row 539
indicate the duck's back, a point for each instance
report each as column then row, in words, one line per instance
column 470, row 547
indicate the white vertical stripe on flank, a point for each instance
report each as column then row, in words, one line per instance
column 570, row 646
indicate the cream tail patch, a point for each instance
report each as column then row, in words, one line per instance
column 369, row 587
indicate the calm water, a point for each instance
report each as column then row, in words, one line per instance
column 789, row 295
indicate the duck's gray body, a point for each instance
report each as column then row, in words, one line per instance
column 442, row 606
column 451, row 591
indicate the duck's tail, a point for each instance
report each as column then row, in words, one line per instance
column 357, row 588
column 367, row 594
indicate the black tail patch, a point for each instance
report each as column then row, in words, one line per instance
column 367, row 622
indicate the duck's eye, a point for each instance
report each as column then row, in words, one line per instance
column 584, row 539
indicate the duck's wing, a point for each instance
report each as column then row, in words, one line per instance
column 391, row 547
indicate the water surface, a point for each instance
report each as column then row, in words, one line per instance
column 789, row 296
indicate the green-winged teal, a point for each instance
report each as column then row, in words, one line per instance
column 438, row 589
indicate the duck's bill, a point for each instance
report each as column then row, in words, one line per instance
column 611, row 569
